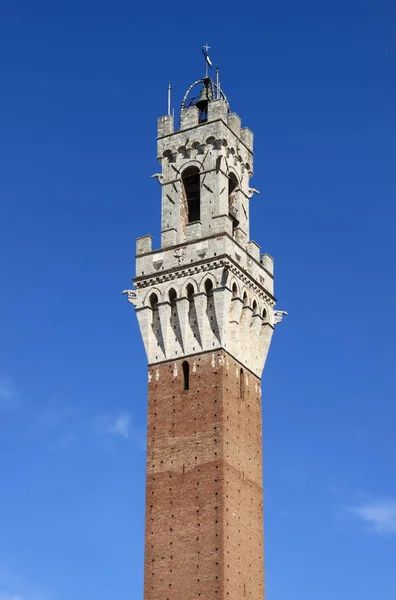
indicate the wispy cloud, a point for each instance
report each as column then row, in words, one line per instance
column 120, row 425
column 379, row 516
column 5, row 595
column 8, row 395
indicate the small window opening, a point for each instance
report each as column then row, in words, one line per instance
column 245, row 299
column 209, row 287
column 254, row 307
column 234, row 290
column 209, row 293
column 233, row 189
column 190, row 297
column 190, row 291
column 154, row 307
column 191, row 189
column 241, row 385
column 186, row 375
column 172, row 296
column 154, row 301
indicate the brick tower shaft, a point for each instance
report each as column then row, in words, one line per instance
column 204, row 525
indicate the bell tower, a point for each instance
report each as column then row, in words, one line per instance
column 205, row 305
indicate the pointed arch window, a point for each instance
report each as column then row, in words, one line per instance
column 172, row 297
column 154, row 301
column 154, row 307
column 190, row 297
column 191, row 193
column 190, row 292
column 209, row 293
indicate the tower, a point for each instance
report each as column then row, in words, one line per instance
column 205, row 305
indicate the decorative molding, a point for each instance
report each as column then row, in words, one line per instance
column 194, row 270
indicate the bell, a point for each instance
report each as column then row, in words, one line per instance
column 205, row 96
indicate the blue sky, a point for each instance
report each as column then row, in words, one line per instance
column 82, row 84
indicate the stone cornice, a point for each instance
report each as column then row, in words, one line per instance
column 223, row 261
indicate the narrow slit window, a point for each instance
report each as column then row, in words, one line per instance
column 186, row 375
column 241, row 385
column 233, row 189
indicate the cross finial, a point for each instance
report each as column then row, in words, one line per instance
column 205, row 50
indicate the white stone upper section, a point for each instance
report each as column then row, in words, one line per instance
column 203, row 296
column 207, row 287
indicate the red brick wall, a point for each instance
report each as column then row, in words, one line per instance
column 204, row 525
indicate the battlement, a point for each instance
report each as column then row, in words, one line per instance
column 204, row 295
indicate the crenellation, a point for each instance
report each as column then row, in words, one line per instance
column 189, row 118
column 268, row 263
column 247, row 138
column 165, row 125
column 218, row 109
column 168, row 238
column 254, row 250
column 234, row 123
column 193, row 231
column 144, row 245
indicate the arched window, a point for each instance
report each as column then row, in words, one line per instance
column 190, row 291
column 209, row 293
column 209, row 287
column 241, row 385
column 154, row 307
column 245, row 299
column 154, row 301
column 254, row 307
column 191, row 194
column 186, row 375
column 190, row 294
column 172, row 296
column 232, row 200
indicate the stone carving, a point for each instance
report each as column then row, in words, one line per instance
column 180, row 254
column 159, row 177
column 278, row 316
column 158, row 259
column 202, row 248
column 131, row 296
